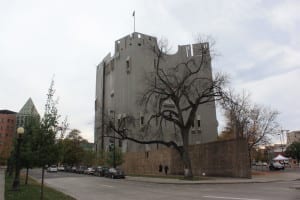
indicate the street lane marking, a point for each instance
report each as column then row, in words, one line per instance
column 235, row 198
column 107, row 186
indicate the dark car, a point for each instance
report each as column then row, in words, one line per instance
column 68, row 168
column 80, row 169
column 115, row 173
column 276, row 166
column 101, row 171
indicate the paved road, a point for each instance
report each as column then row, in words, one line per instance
column 98, row 188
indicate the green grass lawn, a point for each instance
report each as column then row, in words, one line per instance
column 31, row 191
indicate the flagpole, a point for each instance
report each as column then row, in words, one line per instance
column 133, row 14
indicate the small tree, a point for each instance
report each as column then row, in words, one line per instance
column 73, row 152
column 44, row 140
column 112, row 157
column 28, row 157
column 253, row 122
column 293, row 150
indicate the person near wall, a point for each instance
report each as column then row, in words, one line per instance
column 160, row 167
column 166, row 169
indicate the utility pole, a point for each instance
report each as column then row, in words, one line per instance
column 281, row 134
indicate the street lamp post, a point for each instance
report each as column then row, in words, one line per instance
column 16, row 183
column 114, row 150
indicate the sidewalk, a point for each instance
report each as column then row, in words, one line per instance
column 260, row 178
column 2, row 182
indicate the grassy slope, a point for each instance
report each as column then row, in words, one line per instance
column 31, row 191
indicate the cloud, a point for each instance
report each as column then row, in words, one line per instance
column 280, row 93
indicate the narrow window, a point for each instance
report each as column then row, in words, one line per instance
column 187, row 50
column 142, row 120
column 198, row 121
column 128, row 63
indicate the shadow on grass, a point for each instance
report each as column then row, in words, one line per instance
column 31, row 191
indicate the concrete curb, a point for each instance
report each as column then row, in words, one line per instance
column 178, row 182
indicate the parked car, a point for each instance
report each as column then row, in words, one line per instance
column 80, row 169
column 276, row 166
column 68, row 168
column 101, row 171
column 115, row 173
column 52, row 168
column 61, row 168
column 73, row 169
column 89, row 171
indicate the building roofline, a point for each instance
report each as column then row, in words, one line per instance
column 7, row 112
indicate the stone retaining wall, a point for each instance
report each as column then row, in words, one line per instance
column 222, row 158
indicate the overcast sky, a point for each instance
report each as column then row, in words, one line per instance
column 257, row 41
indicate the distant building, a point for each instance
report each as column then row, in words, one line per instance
column 27, row 111
column 121, row 78
column 7, row 133
column 293, row 136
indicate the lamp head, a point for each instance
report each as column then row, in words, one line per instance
column 20, row 131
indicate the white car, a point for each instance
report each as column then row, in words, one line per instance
column 52, row 168
column 89, row 171
column 61, row 168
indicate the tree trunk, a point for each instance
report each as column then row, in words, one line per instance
column 185, row 155
column 250, row 159
column 26, row 178
column 42, row 184
column 10, row 170
column 188, row 173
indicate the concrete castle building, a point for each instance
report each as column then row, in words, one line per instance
column 121, row 78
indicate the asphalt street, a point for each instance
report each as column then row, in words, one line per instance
column 84, row 187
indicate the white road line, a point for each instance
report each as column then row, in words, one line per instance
column 235, row 198
column 107, row 186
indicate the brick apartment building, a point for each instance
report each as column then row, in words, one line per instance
column 7, row 133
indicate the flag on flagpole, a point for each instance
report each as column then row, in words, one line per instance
column 133, row 14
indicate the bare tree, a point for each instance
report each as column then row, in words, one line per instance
column 173, row 95
column 253, row 122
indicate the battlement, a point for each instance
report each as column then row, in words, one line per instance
column 138, row 40
column 134, row 39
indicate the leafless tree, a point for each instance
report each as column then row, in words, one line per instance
column 173, row 95
column 253, row 122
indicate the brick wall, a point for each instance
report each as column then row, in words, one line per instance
column 222, row 158
column 7, row 133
